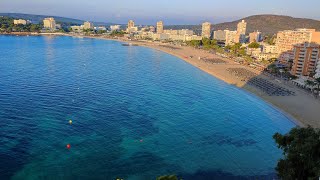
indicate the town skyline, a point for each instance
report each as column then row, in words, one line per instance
column 146, row 13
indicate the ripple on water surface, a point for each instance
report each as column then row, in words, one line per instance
column 137, row 113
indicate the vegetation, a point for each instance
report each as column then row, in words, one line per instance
column 6, row 25
column 117, row 33
column 301, row 150
column 254, row 45
column 194, row 43
column 270, row 40
column 39, row 18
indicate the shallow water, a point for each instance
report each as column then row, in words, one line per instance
column 137, row 113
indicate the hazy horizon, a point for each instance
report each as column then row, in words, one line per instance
column 173, row 12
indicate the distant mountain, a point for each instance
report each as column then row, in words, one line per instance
column 39, row 18
column 267, row 24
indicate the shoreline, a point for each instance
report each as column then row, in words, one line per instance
column 302, row 109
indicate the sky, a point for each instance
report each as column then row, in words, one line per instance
column 170, row 11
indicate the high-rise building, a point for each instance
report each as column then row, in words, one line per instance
column 152, row 29
column 49, row 23
column 230, row 37
column 131, row 28
column 130, row 24
column 240, row 38
column 20, row 21
column 305, row 57
column 242, row 27
column 287, row 39
column 159, row 27
column 219, row 35
column 206, row 30
column 88, row 25
column 255, row 36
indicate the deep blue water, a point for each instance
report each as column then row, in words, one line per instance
column 137, row 113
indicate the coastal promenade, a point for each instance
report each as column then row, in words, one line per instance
column 302, row 106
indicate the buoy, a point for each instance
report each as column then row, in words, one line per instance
column 141, row 140
column 68, row 146
column 70, row 121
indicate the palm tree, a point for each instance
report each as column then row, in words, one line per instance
column 317, row 81
column 310, row 84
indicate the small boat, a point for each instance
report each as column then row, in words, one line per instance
column 129, row 44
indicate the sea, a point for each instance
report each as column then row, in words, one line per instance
column 137, row 113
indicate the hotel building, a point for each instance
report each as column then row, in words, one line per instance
column 159, row 27
column 230, row 37
column 19, row 21
column 255, row 37
column 305, row 58
column 49, row 23
column 206, row 30
column 287, row 39
column 88, row 25
column 242, row 27
column 130, row 27
column 219, row 35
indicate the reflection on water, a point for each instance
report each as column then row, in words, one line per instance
column 137, row 113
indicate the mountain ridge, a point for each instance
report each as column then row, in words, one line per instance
column 268, row 24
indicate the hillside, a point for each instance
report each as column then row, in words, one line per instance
column 39, row 18
column 267, row 24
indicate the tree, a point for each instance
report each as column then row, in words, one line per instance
column 254, row 45
column 317, row 81
column 310, row 84
column 35, row 28
column 301, row 150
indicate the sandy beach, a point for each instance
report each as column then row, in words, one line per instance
column 303, row 107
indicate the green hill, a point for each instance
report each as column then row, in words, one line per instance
column 267, row 24
column 39, row 18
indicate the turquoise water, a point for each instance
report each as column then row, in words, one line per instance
column 137, row 113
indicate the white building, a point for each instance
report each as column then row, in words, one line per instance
column 115, row 27
column 20, row 21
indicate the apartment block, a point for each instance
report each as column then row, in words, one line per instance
column 88, row 25
column 230, row 37
column 266, row 48
column 288, row 38
column 305, row 58
column 242, row 27
column 219, row 35
column 49, row 23
column 131, row 27
column 255, row 37
column 159, row 27
column 206, row 30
